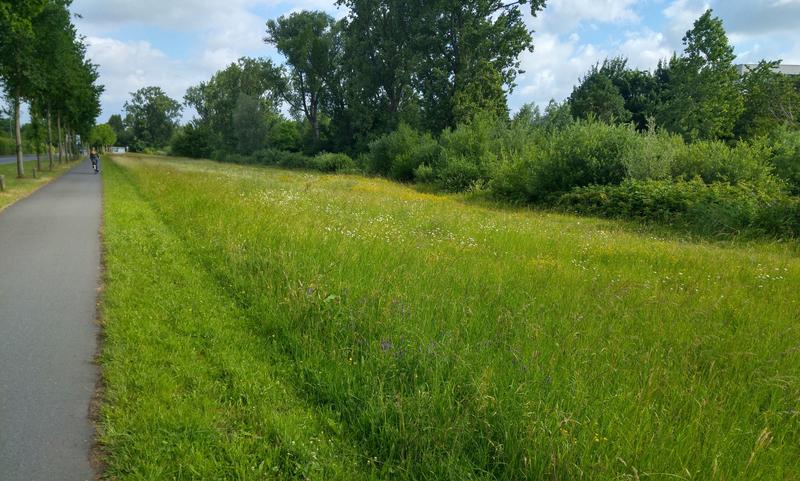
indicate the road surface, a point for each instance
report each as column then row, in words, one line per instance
column 49, row 273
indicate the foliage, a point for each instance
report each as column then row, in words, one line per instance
column 468, row 50
column 102, row 135
column 770, row 101
column 308, row 40
column 468, row 154
column 714, row 161
column 249, row 124
column 718, row 209
column 399, row 153
column 701, row 99
column 654, row 155
column 327, row 162
column 598, row 97
column 216, row 100
column 194, row 140
column 785, row 158
column 584, row 153
column 151, row 116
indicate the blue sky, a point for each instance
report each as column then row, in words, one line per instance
column 178, row 43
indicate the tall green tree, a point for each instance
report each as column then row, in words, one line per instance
column 462, row 41
column 18, row 58
column 249, row 122
column 770, row 101
column 215, row 101
column 379, row 59
column 614, row 91
column 702, row 99
column 308, row 40
column 54, row 44
column 152, row 116
column 598, row 97
column 102, row 136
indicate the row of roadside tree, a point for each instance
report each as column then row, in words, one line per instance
column 43, row 63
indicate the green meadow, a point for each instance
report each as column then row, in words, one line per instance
column 271, row 324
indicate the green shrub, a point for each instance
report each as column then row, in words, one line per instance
column 7, row 146
column 654, row 155
column 468, row 154
column 397, row 154
column 714, row 161
column 583, row 153
column 424, row 174
column 720, row 208
column 194, row 141
column 785, row 159
column 293, row 160
column 327, row 162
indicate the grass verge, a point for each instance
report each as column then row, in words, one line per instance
column 399, row 335
column 17, row 189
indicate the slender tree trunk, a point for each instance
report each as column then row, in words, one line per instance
column 18, row 134
column 60, row 137
column 49, row 138
column 35, row 122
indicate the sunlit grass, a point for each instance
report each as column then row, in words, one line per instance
column 426, row 338
column 19, row 188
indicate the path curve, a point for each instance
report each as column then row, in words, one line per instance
column 49, row 273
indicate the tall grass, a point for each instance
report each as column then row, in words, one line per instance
column 448, row 341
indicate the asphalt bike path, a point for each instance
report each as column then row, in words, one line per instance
column 49, row 274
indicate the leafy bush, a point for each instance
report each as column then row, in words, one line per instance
column 720, row 208
column 284, row 135
column 193, row 141
column 327, row 162
column 397, row 154
column 654, row 155
column 7, row 146
column 583, row 153
column 468, row 154
column 785, row 159
column 714, row 161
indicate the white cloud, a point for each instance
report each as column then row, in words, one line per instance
column 560, row 58
column 552, row 68
column 210, row 34
column 128, row 66
column 563, row 16
column 645, row 48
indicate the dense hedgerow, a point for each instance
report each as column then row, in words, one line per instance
column 400, row 153
column 716, row 208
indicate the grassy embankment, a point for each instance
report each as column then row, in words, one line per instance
column 264, row 324
column 19, row 188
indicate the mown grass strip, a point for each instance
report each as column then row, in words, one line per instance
column 454, row 342
column 17, row 189
column 190, row 392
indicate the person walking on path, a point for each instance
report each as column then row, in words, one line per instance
column 95, row 158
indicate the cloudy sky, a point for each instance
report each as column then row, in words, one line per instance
column 178, row 43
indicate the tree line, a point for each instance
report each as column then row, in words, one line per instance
column 433, row 66
column 43, row 62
